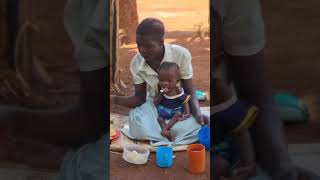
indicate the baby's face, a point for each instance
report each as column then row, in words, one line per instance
column 168, row 79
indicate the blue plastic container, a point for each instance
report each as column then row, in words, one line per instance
column 204, row 136
column 201, row 95
column 164, row 157
column 291, row 108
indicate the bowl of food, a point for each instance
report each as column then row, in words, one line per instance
column 135, row 154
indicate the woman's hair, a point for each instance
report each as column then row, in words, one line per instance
column 151, row 27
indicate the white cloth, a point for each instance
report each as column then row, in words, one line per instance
column 87, row 25
column 90, row 162
column 143, row 125
column 243, row 26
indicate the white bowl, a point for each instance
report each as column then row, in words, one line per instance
column 135, row 154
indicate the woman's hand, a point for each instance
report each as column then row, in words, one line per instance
column 206, row 119
column 157, row 99
column 202, row 119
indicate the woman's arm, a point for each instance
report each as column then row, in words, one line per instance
column 131, row 101
column 157, row 99
column 186, row 113
column 186, row 110
column 193, row 103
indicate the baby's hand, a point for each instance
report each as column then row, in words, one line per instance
column 164, row 90
column 165, row 133
column 177, row 116
column 183, row 117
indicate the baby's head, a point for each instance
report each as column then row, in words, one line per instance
column 169, row 75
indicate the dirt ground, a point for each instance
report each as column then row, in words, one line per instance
column 121, row 170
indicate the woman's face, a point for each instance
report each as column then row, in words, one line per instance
column 149, row 48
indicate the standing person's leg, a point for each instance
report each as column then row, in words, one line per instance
column 252, row 84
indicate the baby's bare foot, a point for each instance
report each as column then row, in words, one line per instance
column 165, row 133
column 171, row 137
column 168, row 135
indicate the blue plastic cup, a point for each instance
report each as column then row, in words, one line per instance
column 164, row 157
column 204, row 136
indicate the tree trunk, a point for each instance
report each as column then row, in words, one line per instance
column 128, row 20
column 114, row 19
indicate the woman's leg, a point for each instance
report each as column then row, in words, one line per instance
column 143, row 123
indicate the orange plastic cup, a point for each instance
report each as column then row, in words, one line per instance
column 196, row 158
